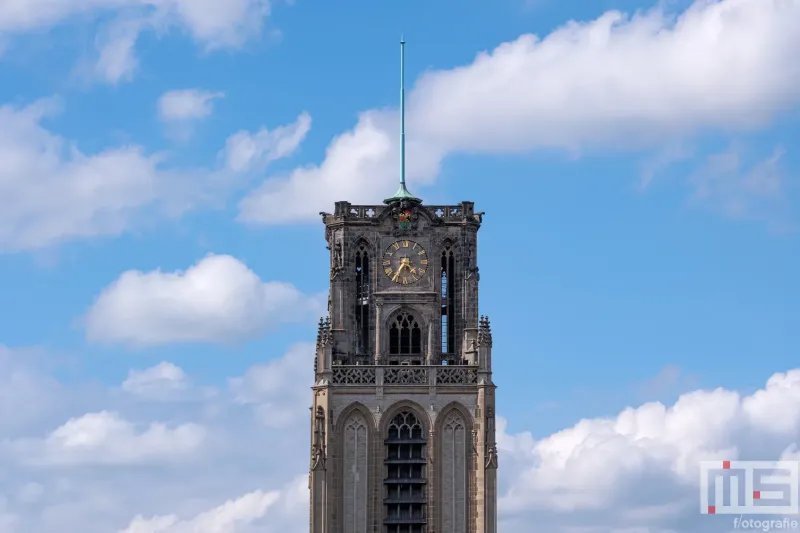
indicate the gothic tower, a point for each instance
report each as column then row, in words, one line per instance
column 402, row 421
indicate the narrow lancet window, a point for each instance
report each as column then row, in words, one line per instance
column 448, row 305
column 362, row 281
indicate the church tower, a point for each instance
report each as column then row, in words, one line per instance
column 403, row 413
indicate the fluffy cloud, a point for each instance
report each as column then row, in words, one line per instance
column 106, row 438
column 217, row 299
column 163, row 381
column 272, row 387
column 242, row 511
column 116, row 55
column 26, row 392
column 636, row 471
column 245, row 151
column 51, row 191
column 644, row 463
column 187, row 104
column 359, row 166
column 617, row 81
column 121, row 467
column 211, row 24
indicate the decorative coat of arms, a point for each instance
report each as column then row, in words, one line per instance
column 404, row 219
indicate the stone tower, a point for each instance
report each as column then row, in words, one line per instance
column 403, row 413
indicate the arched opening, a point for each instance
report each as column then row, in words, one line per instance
column 406, row 475
column 405, row 339
column 448, row 322
column 362, row 339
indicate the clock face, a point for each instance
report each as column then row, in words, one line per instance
column 405, row 262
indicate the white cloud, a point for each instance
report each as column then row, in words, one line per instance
column 217, row 299
column 117, row 59
column 648, row 457
column 26, row 393
column 225, row 518
column 634, row 472
column 186, row 104
column 51, row 191
column 106, row 438
column 63, row 481
column 245, row 151
column 359, row 166
column 617, row 81
column 273, row 387
column 217, row 24
column 209, row 22
column 163, row 381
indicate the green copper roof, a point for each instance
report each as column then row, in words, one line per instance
column 402, row 193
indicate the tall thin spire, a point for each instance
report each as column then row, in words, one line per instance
column 402, row 193
column 402, row 111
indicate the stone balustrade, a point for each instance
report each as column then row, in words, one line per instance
column 379, row 375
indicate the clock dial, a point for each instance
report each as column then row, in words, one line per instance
column 405, row 262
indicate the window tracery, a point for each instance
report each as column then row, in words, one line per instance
column 404, row 487
column 405, row 336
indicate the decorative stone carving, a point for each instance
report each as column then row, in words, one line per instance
column 456, row 375
column 405, row 216
column 318, row 442
column 491, row 447
column 491, row 457
column 337, row 259
column 324, row 332
column 317, row 458
column 484, row 332
column 354, row 375
column 470, row 263
column 405, row 376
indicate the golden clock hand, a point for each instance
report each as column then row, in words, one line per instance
column 397, row 274
column 399, row 269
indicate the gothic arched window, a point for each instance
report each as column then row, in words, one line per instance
column 447, row 273
column 362, row 340
column 356, row 457
column 453, row 450
column 404, row 485
column 405, row 335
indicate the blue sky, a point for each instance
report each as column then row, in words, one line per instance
column 637, row 163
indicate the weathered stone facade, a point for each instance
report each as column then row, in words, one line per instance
column 403, row 433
